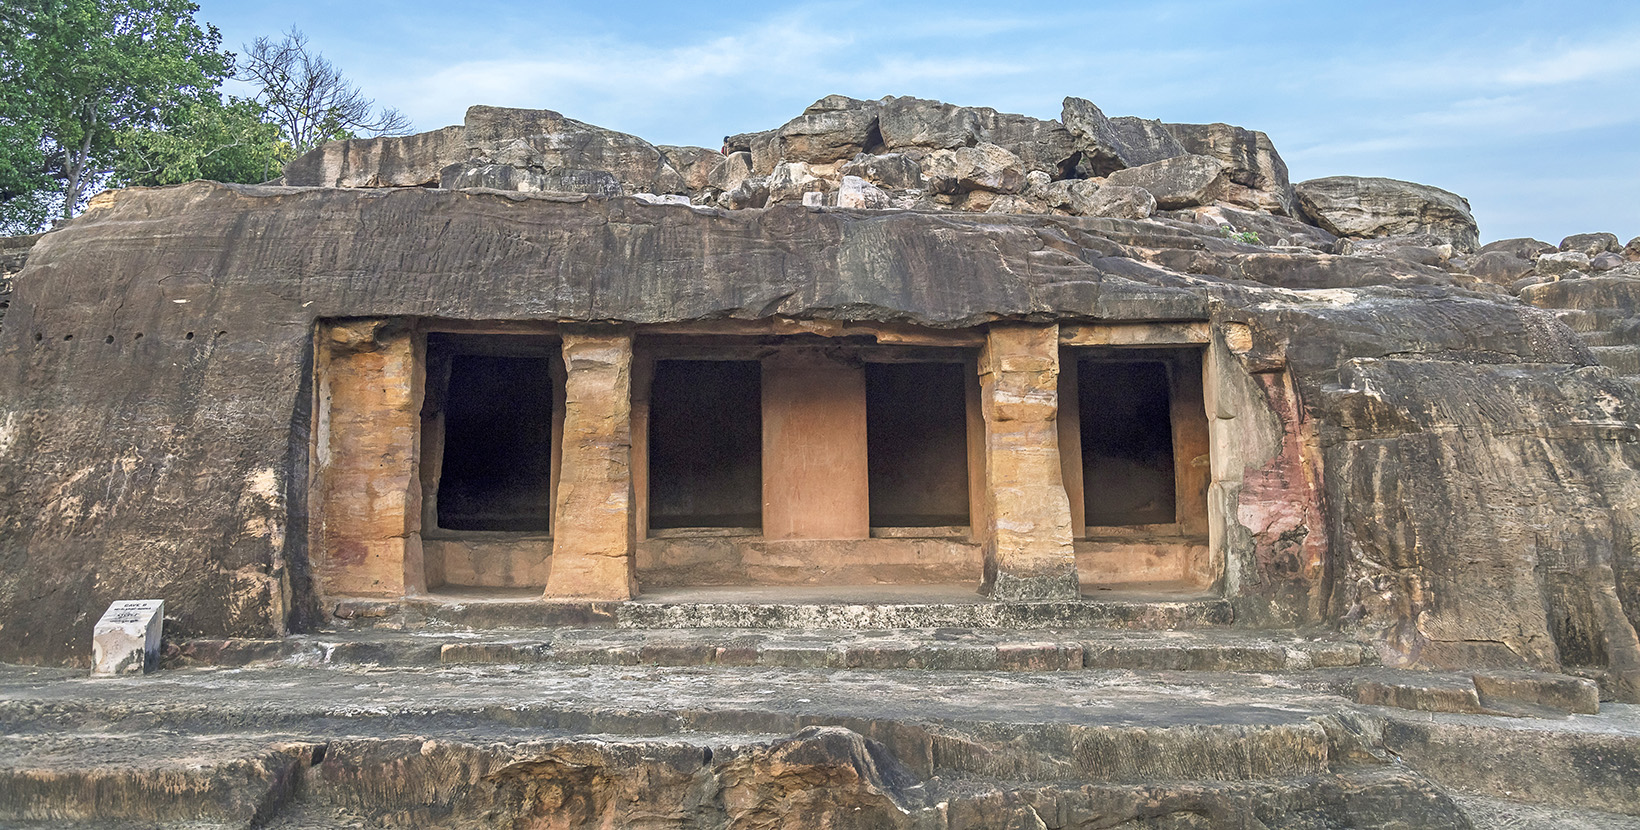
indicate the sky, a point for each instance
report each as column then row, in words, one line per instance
column 1530, row 110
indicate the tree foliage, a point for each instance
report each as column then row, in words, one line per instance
column 309, row 97
column 224, row 141
column 125, row 92
column 24, row 179
column 98, row 69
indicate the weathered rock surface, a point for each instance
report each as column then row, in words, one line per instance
column 1565, row 262
column 547, row 150
column 1410, row 382
column 981, row 167
column 1606, row 262
column 1115, row 201
column 1272, row 230
column 859, row 194
column 1147, row 140
column 393, row 161
column 1521, row 247
column 524, row 179
column 695, row 164
column 894, row 171
column 892, row 143
column 1422, row 248
column 1591, row 244
column 1370, row 207
column 1180, row 182
column 13, row 255
column 1103, row 150
column 835, row 128
column 1252, row 161
column 1498, row 266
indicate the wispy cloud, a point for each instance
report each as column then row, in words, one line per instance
column 1615, row 57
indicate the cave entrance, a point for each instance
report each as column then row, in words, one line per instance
column 803, row 460
column 1134, row 441
column 491, row 420
column 1127, row 443
column 917, row 445
column 706, row 445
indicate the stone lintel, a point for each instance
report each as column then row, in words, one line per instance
column 592, row 552
column 1135, row 334
column 1028, row 551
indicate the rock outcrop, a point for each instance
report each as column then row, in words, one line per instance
column 916, row 153
column 13, row 256
column 1365, row 208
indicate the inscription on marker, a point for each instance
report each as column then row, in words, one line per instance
column 126, row 639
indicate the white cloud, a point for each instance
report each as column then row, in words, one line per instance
column 1614, row 58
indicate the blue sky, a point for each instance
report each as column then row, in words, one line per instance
column 1529, row 110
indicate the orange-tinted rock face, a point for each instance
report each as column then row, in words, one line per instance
column 592, row 525
column 367, row 454
column 1029, row 553
column 1281, row 506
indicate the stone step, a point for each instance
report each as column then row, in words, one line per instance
column 801, row 780
column 1503, row 814
column 988, row 725
column 1492, row 692
column 1588, row 321
column 1620, row 336
column 926, row 649
column 444, row 746
column 1624, row 360
column 1582, row 762
column 780, row 609
column 218, row 780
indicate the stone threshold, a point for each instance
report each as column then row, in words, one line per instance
column 780, row 607
column 913, row 649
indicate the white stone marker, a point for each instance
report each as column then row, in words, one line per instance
column 126, row 640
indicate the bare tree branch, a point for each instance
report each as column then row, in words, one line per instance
column 309, row 97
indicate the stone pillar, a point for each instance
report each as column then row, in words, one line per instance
column 368, row 446
column 592, row 530
column 1028, row 552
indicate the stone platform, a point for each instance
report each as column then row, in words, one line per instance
column 948, row 727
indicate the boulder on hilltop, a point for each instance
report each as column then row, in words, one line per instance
column 922, row 154
column 1365, row 208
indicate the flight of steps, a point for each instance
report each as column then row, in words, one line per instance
column 1604, row 311
column 1143, row 714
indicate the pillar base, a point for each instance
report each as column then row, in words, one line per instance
column 1040, row 588
column 592, row 577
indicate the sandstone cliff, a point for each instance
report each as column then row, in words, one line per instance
column 1478, row 468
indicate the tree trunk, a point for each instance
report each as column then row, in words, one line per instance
column 75, row 164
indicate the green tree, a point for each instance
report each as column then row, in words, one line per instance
column 224, row 141
column 97, row 70
column 24, row 179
